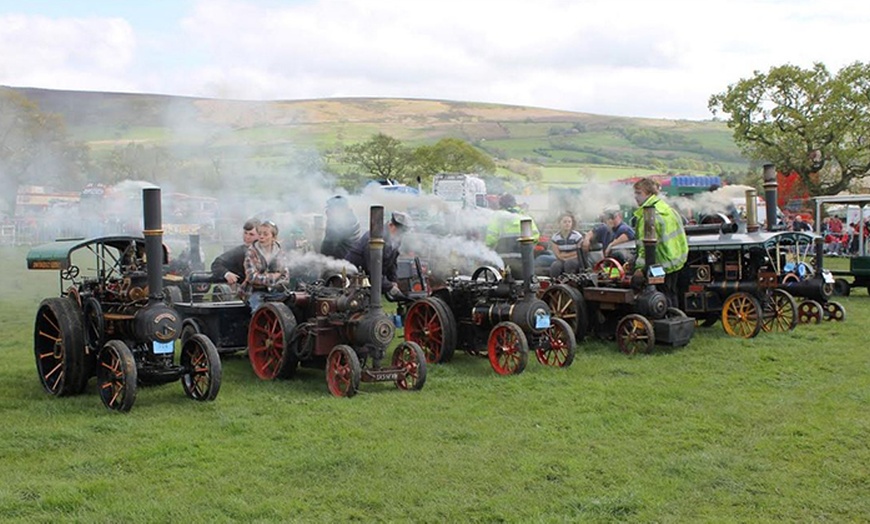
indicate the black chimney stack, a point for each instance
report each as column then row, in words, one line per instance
column 376, row 255
column 526, row 241
column 153, row 241
column 770, row 197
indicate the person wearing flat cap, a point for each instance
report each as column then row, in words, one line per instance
column 358, row 255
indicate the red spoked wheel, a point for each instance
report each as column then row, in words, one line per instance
column 780, row 312
column 741, row 315
column 609, row 268
column 430, row 323
column 835, row 311
column 269, row 333
column 59, row 347
column 810, row 312
column 558, row 345
column 202, row 368
column 117, row 376
column 568, row 304
column 343, row 371
column 634, row 334
column 409, row 357
column 508, row 349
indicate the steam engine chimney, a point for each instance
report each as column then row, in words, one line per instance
column 751, row 211
column 376, row 256
column 649, row 236
column 152, row 216
column 527, row 252
column 770, row 196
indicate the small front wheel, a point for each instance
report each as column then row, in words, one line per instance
column 810, row 312
column 508, row 349
column 117, row 376
column 411, row 359
column 202, row 368
column 634, row 334
column 343, row 372
column 557, row 345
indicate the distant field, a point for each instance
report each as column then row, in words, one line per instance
column 204, row 132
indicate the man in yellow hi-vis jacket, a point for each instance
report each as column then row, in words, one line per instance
column 672, row 247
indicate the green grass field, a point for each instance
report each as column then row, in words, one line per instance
column 770, row 429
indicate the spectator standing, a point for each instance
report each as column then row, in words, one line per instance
column 342, row 228
column 672, row 247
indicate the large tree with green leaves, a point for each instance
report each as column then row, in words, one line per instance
column 450, row 155
column 35, row 149
column 804, row 121
column 382, row 156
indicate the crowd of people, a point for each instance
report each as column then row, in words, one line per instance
column 258, row 265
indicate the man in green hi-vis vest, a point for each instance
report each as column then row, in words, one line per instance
column 672, row 248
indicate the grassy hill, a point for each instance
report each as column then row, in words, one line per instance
column 564, row 146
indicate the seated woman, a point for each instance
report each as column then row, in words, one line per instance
column 564, row 244
column 264, row 265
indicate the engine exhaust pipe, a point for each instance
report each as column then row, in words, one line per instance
column 751, row 211
column 153, row 232
column 770, row 195
column 376, row 256
column 527, row 252
column 649, row 236
column 725, row 228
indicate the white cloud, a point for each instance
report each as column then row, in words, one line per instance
column 633, row 58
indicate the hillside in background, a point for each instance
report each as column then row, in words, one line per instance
column 566, row 147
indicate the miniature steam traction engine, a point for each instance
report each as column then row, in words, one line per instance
column 338, row 324
column 604, row 300
column 115, row 324
column 486, row 310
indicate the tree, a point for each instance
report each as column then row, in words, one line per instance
column 382, row 156
column 35, row 149
column 450, row 155
column 804, row 121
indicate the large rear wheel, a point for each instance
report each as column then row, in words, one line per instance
column 410, row 357
column 567, row 303
column 59, row 347
column 780, row 312
column 508, row 349
column 430, row 324
column 557, row 345
column 202, row 368
column 117, row 376
column 741, row 315
column 269, row 332
column 343, row 371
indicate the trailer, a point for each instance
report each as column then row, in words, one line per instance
column 858, row 274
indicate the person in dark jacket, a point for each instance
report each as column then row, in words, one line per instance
column 342, row 228
column 230, row 265
column 358, row 255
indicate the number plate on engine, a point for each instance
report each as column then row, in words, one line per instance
column 161, row 348
column 542, row 321
column 827, row 276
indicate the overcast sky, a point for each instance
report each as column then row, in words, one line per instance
column 659, row 59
